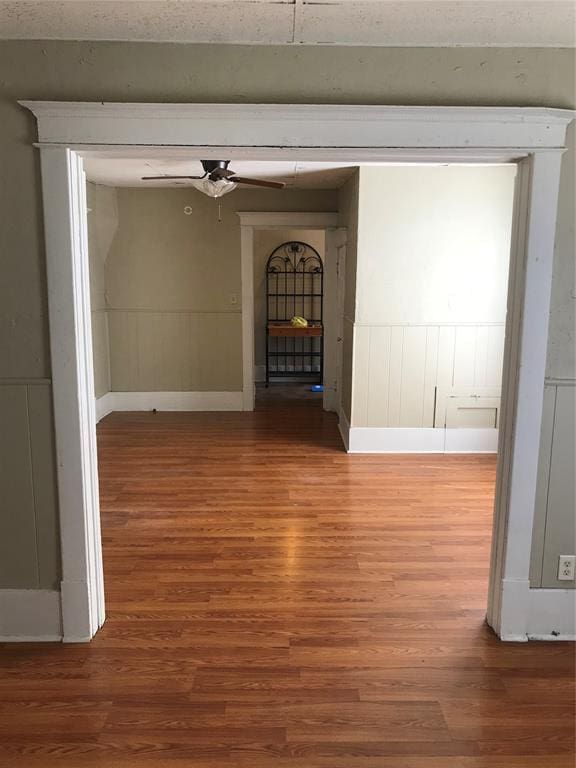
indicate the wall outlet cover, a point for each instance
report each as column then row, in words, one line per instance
column 566, row 567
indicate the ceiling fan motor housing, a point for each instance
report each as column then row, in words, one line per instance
column 217, row 167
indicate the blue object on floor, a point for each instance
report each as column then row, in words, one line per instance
column 317, row 388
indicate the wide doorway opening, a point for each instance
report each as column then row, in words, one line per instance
column 325, row 132
column 395, row 304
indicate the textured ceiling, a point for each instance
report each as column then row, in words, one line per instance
column 128, row 172
column 537, row 23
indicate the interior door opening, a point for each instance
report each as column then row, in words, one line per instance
column 539, row 165
column 428, row 360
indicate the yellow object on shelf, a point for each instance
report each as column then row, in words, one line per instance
column 299, row 322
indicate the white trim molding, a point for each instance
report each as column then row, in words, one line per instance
column 531, row 136
column 470, row 440
column 537, row 614
column 65, row 227
column 287, row 219
column 420, row 440
column 104, row 405
column 298, row 125
column 528, row 311
column 30, row 615
column 344, row 429
column 249, row 222
column 169, row 401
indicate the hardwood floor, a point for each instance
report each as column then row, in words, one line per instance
column 276, row 603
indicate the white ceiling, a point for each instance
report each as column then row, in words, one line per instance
column 128, row 171
column 442, row 23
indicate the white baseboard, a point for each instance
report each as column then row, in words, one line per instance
column 169, row 401
column 536, row 614
column 30, row 615
column 421, row 440
column 552, row 614
column 79, row 624
column 104, row 405
column 344, row 429
column 467, row 440
column 395, row 440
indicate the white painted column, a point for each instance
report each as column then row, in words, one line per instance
column 525, row 365
column 64, row 198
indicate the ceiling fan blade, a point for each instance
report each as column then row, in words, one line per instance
column 257, row 182
column 156, row 178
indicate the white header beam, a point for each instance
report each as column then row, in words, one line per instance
column 301, row 125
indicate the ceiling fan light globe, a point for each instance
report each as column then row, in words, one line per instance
column 216, row 188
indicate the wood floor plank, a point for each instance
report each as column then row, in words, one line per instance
column 273, row 602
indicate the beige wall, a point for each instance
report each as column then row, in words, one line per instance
column 161, row 72
column 265, row 241
column 431, row 283
column 102, row 228
column 173, row 288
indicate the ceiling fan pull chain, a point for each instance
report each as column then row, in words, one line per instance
column 219, row 214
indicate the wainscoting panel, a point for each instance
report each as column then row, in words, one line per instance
column 401, row 370
column 29, row 543
column 554, row 531
column 175, row 351
column 101, row 351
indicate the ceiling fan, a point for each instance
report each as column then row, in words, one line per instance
column 218, row 179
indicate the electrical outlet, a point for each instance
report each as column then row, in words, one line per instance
column 566, row 567
column 233, row 298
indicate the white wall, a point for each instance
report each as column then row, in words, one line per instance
column 431, row 281
column 434, row 244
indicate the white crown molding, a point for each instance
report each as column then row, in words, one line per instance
column 299, row 125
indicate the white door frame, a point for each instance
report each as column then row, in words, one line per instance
column 336, row 241
column 250, row 221
column 534, row 137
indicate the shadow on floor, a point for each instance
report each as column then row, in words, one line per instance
column 293, row 413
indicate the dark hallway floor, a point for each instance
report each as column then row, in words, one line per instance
column 286, row 393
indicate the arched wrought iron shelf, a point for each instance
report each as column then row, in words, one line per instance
column 294, row 287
